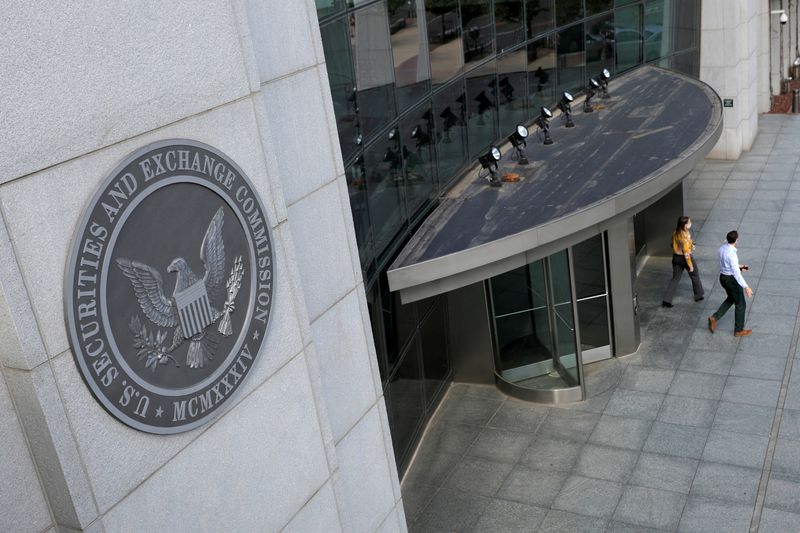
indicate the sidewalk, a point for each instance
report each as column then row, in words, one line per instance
column 701, row 433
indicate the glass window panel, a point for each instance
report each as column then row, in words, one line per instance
column 376, row 319
column 449, row 113
column 328, row 7
column 657, row 37
column 383, row 169
column 590, row 269
column 416, row 136
column 600, row 45
column 541, row 74
column 406, row 404
column 568, row 11
column 509, row 23
column 540, row 15
column 372, row 59
column 444, row 40
column 685, row 22
column 336, row 44
column 433, row 338
column 598, row 6
column 481, row 107
column 399, row 322
column 571, row 59
column 628, row 37
column 478, row 30
column 593, row 320
column 686, row 63
column 409, row 36
column 510, row 91
column 357, row 190
column 511, row 292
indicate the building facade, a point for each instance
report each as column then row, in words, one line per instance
column 352, row 119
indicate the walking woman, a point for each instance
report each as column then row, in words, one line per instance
column 682, row 247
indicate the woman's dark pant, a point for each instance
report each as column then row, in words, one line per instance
column 735, row 296
column 678, row 266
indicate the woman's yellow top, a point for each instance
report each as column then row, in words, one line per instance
column 682, row 244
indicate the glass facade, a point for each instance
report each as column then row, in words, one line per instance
column 420, row 88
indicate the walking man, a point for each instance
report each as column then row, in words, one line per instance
column 730, row 277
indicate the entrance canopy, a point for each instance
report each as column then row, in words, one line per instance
column 631, row 150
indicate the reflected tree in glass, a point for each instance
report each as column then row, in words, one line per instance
column 481, row 83
column 357, row 191
column 510, row 92
column 571, row 59
column 628, row 37
column 336, row 44
column 450, row 119
column 598, row 6
column 383, row 166
column 509, row 23
column 409, row 36
column 657, row 29
column 328, row 7
column 443, row 26
column 478, row 30
column 417, row 138
column 568, row 11
column 599, row 46
column 541, row 74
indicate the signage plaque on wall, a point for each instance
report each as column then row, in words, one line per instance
column 169, row 286
column 727, row 102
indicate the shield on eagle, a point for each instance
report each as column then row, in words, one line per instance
column 194, row 309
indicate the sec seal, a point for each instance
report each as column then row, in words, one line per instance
column 169, row 286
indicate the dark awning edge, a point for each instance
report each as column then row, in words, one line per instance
column 455, row 270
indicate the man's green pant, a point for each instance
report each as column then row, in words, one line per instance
column 735, row 294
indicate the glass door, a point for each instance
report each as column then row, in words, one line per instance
column 563, row 320
column 591, row 295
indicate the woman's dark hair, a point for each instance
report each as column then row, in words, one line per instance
column 682, row 221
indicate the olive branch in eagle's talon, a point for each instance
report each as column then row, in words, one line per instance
column 149, row 346
column 233, row 286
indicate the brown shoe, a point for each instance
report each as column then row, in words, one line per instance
column 712, row 324
column 743, row 333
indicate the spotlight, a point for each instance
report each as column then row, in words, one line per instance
column 784, row 18
column 489, row 161
column 591, row 90
column 543, row 122
column 603, row 78
column 420, row 136
column 565, row 105
column 517, row 140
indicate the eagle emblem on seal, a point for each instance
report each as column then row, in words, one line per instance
column 193, row 307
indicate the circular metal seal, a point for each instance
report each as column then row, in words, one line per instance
column 169, row 286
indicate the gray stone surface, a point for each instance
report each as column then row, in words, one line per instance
column 343, row 363
column 602, row 462
column 790, row 424
column 783, row 494
column 131, row 87
column 692, row 385
column 774, row 521
column 650, row 507
column 634, row 404
column 453, row 510
column 687, row 411
column 478, row 476
column 743, row 418
column 703, row 515
column 759, row 366
column 726, row 482
column 787, row 458
column 507, row 516
column 319, row 515
column 552, row 454
column 533, row 487
column 681, row 441
column 500, row 445
column 708, row 362
column 468, row 410
column 519, row 416
column 24, row 506
column 570, row 425
column 647, row 379
column 736, row 449
column 590, row 497
column 564, row 522
column 664, row 472
column 752, row 391
column 287, row 437
column 629, row 433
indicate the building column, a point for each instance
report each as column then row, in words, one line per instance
column 622, row 270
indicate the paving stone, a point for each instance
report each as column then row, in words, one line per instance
column 783, row 494
column 634, row 404
column 621, row 432
column 703, row 515
column 751, row 391
column 449, row 437
column 705, row 386
column 416, row 498
column 501, row 515
column 552, row 454
column 774, row 521
column 478, row 476
column 759, row 366
column 601, row 462
column 533, row 487
column 519, row 416
column 645, row 379
column 707, row 361
column 500, row 445
column 736, row 449
column 564, row 522
column 431, row 468
column 664, row 472
column 787, row 458
column 650, row 507
column 743, row 418
column 453, row 510
column 672, row 439
column 790, row 424
column 469, row 410
column 571, row 425
column 687, row 411
column 726, row 482
column 591, row 497
column 622, row 527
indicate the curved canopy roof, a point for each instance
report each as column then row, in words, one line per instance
column 635, row 147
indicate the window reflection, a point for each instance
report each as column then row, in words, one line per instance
column 686, row 23
column 416, row 135
column 657, row 41
column 372, row 59
column 405, row 401
column 541, row 74
column 384, row 177
column 481, row 107
column 571, row 59
column 510, row 90
column 598, row 6
column 449, row 113
column 328, row 7
column 568, row 11
column 509, row 23
column 433, row 338
column 600, row 45
column 540, row 16
column 478, row 30
column 444, row 39
column 336, row 44
column 357, row 190
column 410, row 51
column 628, row 37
